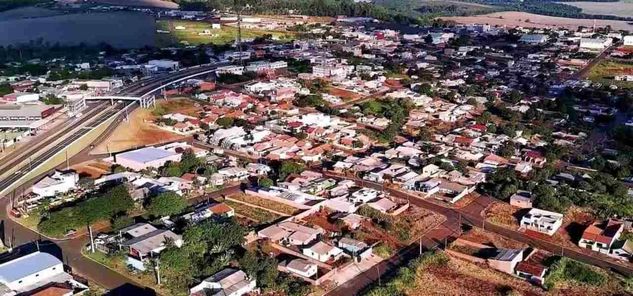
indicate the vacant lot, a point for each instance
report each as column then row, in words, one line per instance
column 265, row 203
column 198, row 32
column 459, row 277
column 607, row 69
column 514, row 18
column 252, row 213
column 620, row 8
column 139, row 130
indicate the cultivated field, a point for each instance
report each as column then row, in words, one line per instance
column 523, row 19
column 194, row 33
column 620, row 8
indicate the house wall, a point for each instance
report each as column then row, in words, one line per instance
column 36, row 277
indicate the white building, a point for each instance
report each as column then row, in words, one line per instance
column 302, row 267
column 235, row 70
column 167, row 65
column 146, row 157
column 323, row 252
column 260, row 66
column 59, row 182
column 35, row 271
column 533, row 38
column 542, row 221
column 628, row 40
column 595, row 44
column 228, row 282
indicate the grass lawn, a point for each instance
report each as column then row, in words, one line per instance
column 605, row 70
column 117, row 263
column 197, row 32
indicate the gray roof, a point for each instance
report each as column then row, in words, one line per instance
column 150, row 241
column 26, row 265
column 507, row 254
column 145, row 155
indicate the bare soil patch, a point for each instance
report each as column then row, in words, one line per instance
column 515, row 18
column 139, row 131
column 484, row 237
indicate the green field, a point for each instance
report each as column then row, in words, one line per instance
column 197, row 32
column 605, row 70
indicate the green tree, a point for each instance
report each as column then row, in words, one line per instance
column 290, row 167
column 266, row 182
column 121, row 222
column 225, row 122
column 166, row 204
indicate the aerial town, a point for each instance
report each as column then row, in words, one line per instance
column 307, row 153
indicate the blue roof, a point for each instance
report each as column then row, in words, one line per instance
column 145, row 155
column 19, row 268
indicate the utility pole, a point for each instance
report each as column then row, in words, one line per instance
column 157, row 268
column 92, row 241
column 378, row 272
column 420, row 246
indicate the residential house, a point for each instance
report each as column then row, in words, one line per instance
column 290, row 233
column 600, row 236
column 542, row 221
column 323, row 252
column 622, row 250
column 146, row 241
column 506, row 260
column 227, row 282
column 522, row 199
column 302, row 267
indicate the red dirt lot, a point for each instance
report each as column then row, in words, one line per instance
column 345, row 95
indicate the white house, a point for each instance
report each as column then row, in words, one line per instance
column 33, row 272
column 628, row 40
column 323, row 252
column 542, row 221
column 363, row 195
column 228, row 282
column 302, row 267
column 59, row 182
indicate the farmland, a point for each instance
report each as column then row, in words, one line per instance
column 620, row 8
column 514, row 18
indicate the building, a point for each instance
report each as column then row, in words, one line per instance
column 628, row 40
column 302, row 267
column 165, row 65
column 533, row 272
column 600, row 236
column 148, row 157
column 228, row 282
column 542, row 221
column 595, row 44
column 323, row 252
column 290, row 233
column 146, row 242
column 22, row 97
column 36, row 272
column 59, row 182
column 534, row 38
column 522, row 199
column 506, row 260
column 24, row 116
column 262, row 66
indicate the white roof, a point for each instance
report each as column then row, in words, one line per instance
column 26, row 265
